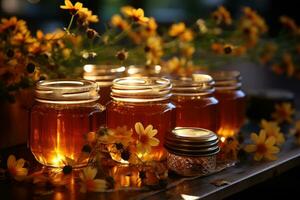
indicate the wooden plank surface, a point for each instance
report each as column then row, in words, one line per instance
column 240, row 177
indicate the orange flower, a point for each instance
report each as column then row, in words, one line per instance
column 154, row 50
column 16, row 168
column 283, row 112
column 187, row 35
column 151, row 25
column 146, row 139
column 72, row 8
column 14, row 25
column 88, row 183
column 118, row 21
column 137, row 15
column 21, row 39
column 222, row 16
column 177, row 29
column 87, row 16
column 263, row 147
column 290, row 24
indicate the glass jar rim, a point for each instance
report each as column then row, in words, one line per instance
column 227, row 79
column 66, row 91
column 141, row 89
column 102, row 74
column 199, row 84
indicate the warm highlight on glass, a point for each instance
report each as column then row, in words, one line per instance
column 104, row 76
column 195, row 104
column 64, row 111
column 232, row 102
column 144, row 100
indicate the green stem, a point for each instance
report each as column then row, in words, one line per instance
column 70, row 23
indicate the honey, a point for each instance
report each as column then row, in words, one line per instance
column 232, row 102
column 64, row 111
column 144, row 100
column 195, row 104
column 103, row 75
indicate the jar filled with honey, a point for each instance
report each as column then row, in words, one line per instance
column 63, row 113
column 195, row 104
column 142, row 106
column 103, row 75
column 232, row 102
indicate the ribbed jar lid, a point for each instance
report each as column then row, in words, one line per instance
column 66, row 91
column 191, row 141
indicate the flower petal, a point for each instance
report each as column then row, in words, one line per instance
column 270, row 156
column 258, row 156
column 139, row 128
column 270, row 141
column 148, row 129
column 254, row 137
column 250, row 148
column 261, row 137
column 273, row 149
column 11, row 161
column 153, row 141
column 20, row 163
column 89, row 173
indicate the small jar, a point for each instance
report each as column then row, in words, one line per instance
column 104, row 76
column 192, row 151
column 232, row 102
column 63, row 113
column 195, row 104
column 145, row 100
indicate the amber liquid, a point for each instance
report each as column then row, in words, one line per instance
column 196, row 111
column 159, row 114
column 57, row 131
column 232, row 111
column 104, row 93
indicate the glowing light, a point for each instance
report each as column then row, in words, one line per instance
column 58, row 159
column 157, row 68
column 222, row 139
column 88, row 68
column 189, row 197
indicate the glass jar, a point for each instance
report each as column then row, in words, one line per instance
column 232, row 102
column 103, row 75
column 63, row 113
column 192, row 151
column 195, row 104
column 144, row 100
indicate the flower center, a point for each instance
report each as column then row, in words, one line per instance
column 261, row 148
column 144, row 139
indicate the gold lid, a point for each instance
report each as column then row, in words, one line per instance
column 191, row 141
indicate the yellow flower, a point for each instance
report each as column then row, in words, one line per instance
column 187, row 35
column 272, row 129
column 154, row 49
column 118, row 21
column 289, row 23
column 187, row 50
column 263, row 146
column 120, row 135
column 72, row 8
column 231, row 148
column 88, row 183
column 217, row 48
column 137, row 15
column 222, row 16
column 14, row 25
column 151, row 25
column 283, row 112
column 202, row 26
column 146, row 139
column 86, row 16
column 16, row 168
column 126, row 10
column 21, row 39
column 177, row 29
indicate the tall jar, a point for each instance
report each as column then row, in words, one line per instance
column 232, row 102
column 104, row 76
column 63, row 113
column 142, row 106
column 195, row 103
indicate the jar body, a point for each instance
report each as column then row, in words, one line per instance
column 159, row 114
column 58, row 131
column 232, row 111
column 197, row 111
column 191, row 165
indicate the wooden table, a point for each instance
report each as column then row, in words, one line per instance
column 239, row 177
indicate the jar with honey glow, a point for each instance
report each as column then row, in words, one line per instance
column 195, row 104
column 232, row 102
column 104, row 76
column 63, row 113
column 142, row 106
